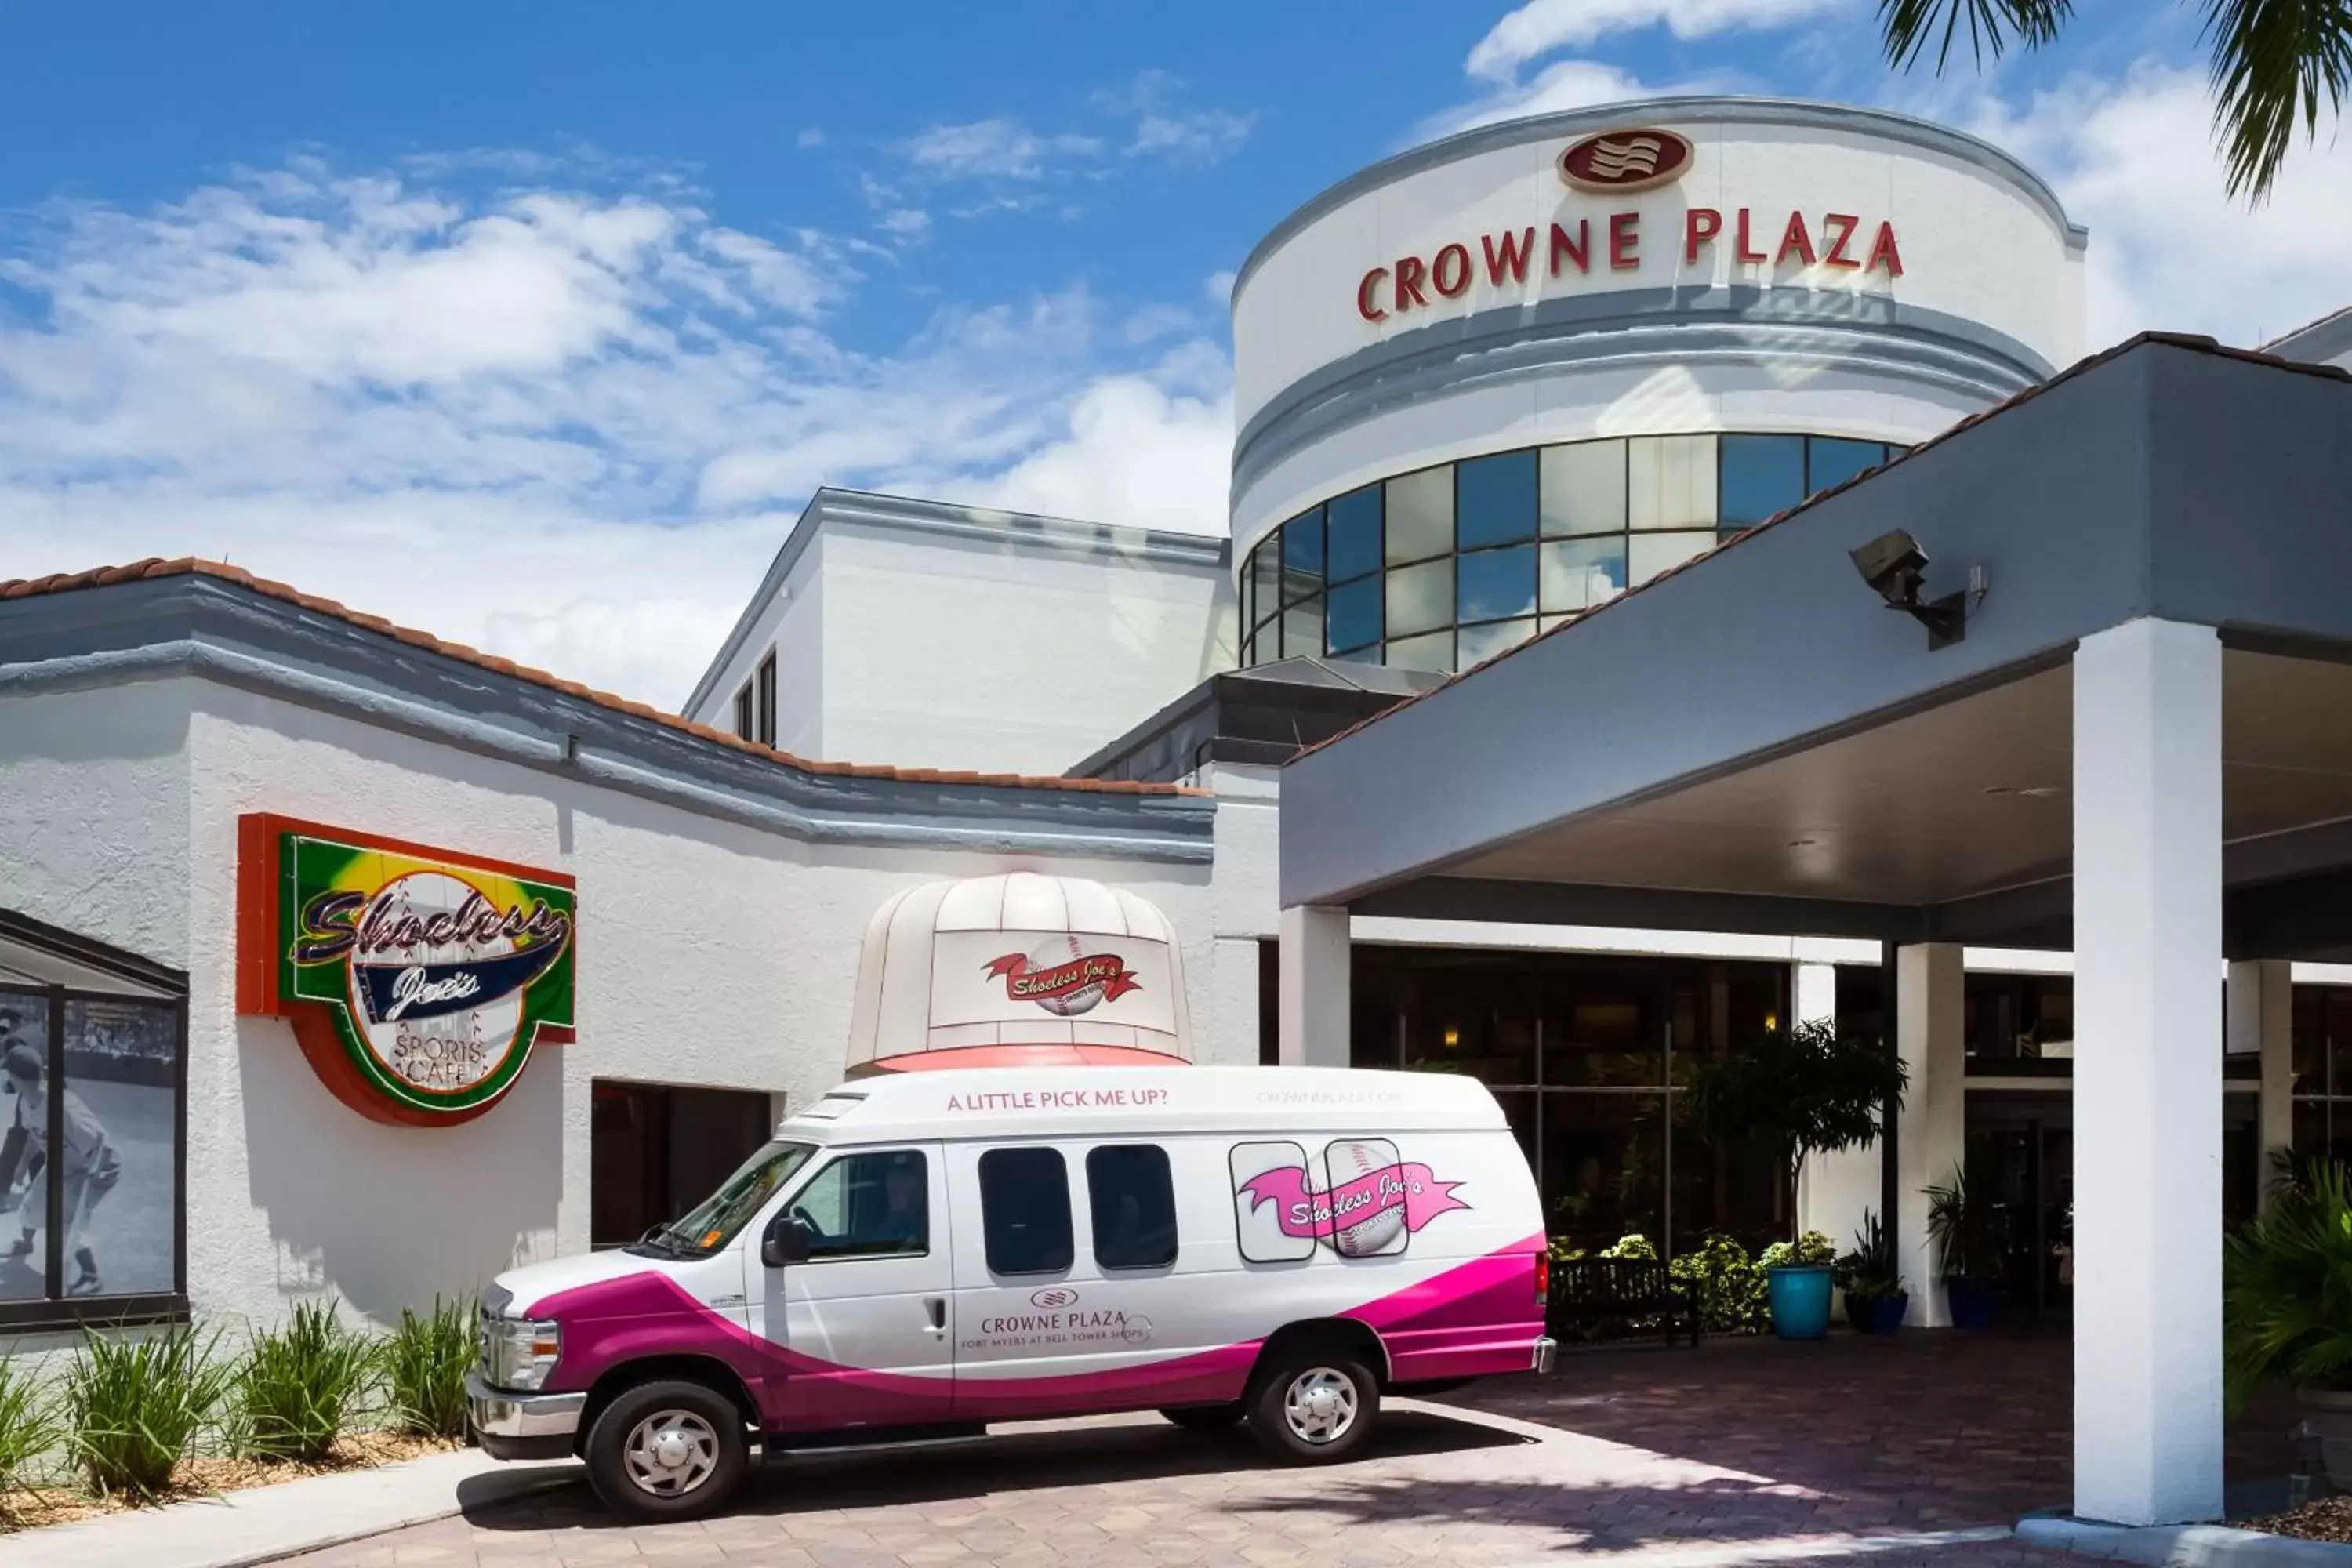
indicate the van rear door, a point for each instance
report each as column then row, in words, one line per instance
column 867, row 1325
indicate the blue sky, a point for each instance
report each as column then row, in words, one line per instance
column 534, row 324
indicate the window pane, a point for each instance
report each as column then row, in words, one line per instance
column 1462, row 1012
column 1762, row 475
column 24, row 1023
column 867, row 1205
column 1133, row 1203
column 1603, row 1167
column 1653, row 553
column 1492, row 584
column 1478, row 644
column 1584, row 487
column 1025, row 1211
column 1302, row 555
column 1366, row 1192
column 1835, row 460
column 1433, row 652
column 1355, row 619
column 1420, row 597
column 1494, row 500
column 1265, row 570
column 1355, row 534
column 1420, row 514
column 1604, row 1024
column 1670, row 481
column 1271, row 1217
column 1580, row 573
column 1302, row 630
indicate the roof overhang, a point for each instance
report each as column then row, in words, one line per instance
column 1755, row 742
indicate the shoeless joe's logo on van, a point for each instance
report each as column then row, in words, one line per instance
column 1358, row 1215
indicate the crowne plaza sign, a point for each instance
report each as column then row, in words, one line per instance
column 1578, row 244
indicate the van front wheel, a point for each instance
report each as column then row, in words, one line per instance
column 1316, row 1408
column 666, row 1450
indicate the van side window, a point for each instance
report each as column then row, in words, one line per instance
column 867, row 1205
column 1025, row 1211
column 1133, row 1203
column 1274, row 1212
column 1367, row 1196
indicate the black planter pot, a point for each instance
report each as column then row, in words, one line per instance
column 1971, row 1301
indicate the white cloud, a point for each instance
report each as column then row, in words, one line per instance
column 998, row 149
column 909, row 223
column 2133, row 160
column 814, row 136
column 566, row 426
column 1540, row 26
column 1563, row 85
column 1200, row 136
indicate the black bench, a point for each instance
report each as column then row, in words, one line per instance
column 1605, row 1298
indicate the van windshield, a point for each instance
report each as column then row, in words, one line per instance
column 714, row 1222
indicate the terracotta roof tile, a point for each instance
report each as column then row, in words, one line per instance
column 189, row 566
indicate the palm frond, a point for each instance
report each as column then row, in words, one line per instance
column 1907, row 26
column 2272, row 61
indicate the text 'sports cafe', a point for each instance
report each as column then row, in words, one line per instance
column 1610, row 759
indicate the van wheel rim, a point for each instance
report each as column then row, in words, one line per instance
column 670, row 1452
column 1320, row 1405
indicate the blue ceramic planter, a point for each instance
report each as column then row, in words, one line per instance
column 1800, row 1294
column 1880, row 1315
column 1970, row 1300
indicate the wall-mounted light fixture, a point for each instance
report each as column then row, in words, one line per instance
column 1895, row 568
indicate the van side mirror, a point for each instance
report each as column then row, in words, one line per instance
column 786, row 1240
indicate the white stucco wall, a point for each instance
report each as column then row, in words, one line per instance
column 711, row 954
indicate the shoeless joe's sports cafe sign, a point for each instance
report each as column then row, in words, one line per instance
column 417, row 980
column 1620, row 163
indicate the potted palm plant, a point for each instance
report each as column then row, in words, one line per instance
column 1807, row 1089
column 1875, row 1299
column 2286, row 1302
column 1961, row 1233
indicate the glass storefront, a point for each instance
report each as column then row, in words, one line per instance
column 1586, row 1055
column 1445, row 566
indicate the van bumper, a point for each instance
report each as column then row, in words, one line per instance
column 1547, row 1352
column 523, row 1426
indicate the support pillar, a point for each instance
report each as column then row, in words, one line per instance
column 2260, row 1008
column 1930, row 1026
column 1312, row 986
column 2147, row 1082
column 1832, row 1190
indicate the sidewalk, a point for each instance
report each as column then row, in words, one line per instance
column 260, row 1523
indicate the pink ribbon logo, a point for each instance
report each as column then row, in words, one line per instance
column 1303, row 1211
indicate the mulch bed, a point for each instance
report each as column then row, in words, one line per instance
column 210, row 1475
column 2326, row 1519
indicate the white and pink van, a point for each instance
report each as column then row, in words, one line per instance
column 922, row 1254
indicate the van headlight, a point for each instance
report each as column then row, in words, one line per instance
column 518, row 1353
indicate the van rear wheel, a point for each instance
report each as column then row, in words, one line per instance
column 666, row 1450
column 1316, row 1407
column 1206, row 1417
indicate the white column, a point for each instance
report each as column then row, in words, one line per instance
column 2260, row 1009
column 1832, row 1190
column 1312, row 986
column 1930, row 1026
column 2147, row 1082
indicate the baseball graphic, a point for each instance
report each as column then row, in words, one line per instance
column 419, row 1003
column 1377, row 1231
column 1053, row 953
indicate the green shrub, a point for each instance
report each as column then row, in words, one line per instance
column 1636, row 1247
column 424, row 1361
column 31, row 1429
column 2287, row 1288
column 300, row 1386
column 1725, row 1284
column 134, row 1407
column 1811, row 1249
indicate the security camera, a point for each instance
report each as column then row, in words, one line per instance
column 1895, row 565
column 1895, row 568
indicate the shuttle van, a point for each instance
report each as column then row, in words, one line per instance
column 921, row 1254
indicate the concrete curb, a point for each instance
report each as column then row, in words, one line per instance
column 2180, row 1545
column 260, row 1524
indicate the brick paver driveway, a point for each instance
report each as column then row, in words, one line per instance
column 1864, row 1451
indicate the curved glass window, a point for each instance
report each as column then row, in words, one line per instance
column 1443, row 567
